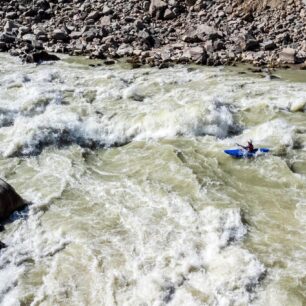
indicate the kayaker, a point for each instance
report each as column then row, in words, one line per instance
column 249, row 147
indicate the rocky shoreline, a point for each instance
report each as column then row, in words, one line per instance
column 209, row 32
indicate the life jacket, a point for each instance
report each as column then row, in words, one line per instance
column 250, row 147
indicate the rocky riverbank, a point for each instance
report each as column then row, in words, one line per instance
column 261, row 32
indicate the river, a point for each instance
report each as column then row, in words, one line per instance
column 134, row 201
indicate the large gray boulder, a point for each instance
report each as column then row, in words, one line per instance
column 2, row 245
column 247, row 42
column 287, row 56
column 9, row 200
column 203, row 32
column 7, row 38
column 60, row 35
column 196, row 54
column 157, row 5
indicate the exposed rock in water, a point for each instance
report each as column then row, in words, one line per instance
column 2, row 245
column 41, row 56
column 298, row 106
column 10, row 201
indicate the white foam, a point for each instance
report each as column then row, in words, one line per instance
column 134, row 225
column 58, row 124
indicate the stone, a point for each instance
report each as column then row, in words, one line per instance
column 129, row 19
column 106, row 20
column 125, row 50
column 201, row 33
column 196, row 54
column 90, row 35
column 218, row 45
column 24, row 30
column 95, row 15
column 75, row 34
column 191, row 36
column 190, row 2
column 165, row 54
column 169, row 14
column 268, row 45
column 11, row 15
column 209, row 46
column 139, row 25
column 3, row 46
column 109, row 62
column 298, row 106
column 40, row 56
column 2, row 245
column 283, row 38
column 59, row 35
column 107, row 10
column 207, row 30
column 10, row 201
column 157, row 5
column 37, row 44
column 147, row 25
column 29, row 37
column 146, row 5
column 7, row 38
column 247, row 42
column 287, row 56
column 10, row 26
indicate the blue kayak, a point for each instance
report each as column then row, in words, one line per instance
column 239, row 153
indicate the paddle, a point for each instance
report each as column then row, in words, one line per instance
column 240, row 145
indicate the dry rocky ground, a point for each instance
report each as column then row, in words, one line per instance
column 157, row 32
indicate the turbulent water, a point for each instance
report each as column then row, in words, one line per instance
column 134, row 201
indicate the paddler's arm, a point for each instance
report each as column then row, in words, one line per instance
column 241, row 146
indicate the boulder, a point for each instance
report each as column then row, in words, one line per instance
column 9, row 200
column 125, row 50
column 196, row 54
column 287, row 56
column 298, row 106
column 106, row 20
column 11, row 15
column 268, row 45
column 157, row 6
column 247, row 42
column 59, row 35
column 24, row 30
column 7, row 38
column 41, row 56
column 95, row 15
column 29, row 37
column 76, row 34
column 109, row 62
column 190, row 2
column 209, row 31
column 3, row 46
column 2, row 245
column 107, row 10
column 169, row 14
column 191, row 36
column 146, row 6
column 10, row 26
column 201, row 33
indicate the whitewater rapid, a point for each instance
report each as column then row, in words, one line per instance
column 134, row 201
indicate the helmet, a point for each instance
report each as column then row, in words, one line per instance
column 250, row 141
